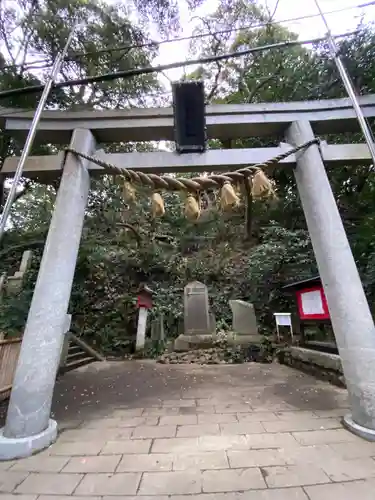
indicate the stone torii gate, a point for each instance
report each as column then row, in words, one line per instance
column 28, row 426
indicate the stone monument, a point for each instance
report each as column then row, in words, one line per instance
column 199, row 322
column 196, row 309
column 245, row 328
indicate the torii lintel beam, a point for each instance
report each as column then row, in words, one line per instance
column 166, row 162
column 224, row 121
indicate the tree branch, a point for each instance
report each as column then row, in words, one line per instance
column 27, row 244
column 133, row 230
column 215, row 52
column 216, row 82
column 262, row 84
column 5, row 39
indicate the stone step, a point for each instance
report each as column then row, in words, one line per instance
column 73, row 365
column 76, row 355
column 74, row 348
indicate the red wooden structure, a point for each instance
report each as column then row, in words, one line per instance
column 311, row 304
column 144, row 297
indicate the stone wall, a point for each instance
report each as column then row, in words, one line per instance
column 325, row 366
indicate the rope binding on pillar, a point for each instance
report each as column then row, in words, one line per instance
column 229, row 182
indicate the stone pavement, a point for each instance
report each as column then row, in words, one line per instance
column 188, row 432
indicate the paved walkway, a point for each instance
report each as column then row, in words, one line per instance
column 186, row 432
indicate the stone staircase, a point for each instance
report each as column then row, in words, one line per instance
column 79, row 354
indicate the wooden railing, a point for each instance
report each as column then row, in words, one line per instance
column 9, row 351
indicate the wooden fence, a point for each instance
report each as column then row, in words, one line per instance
column 9, row 351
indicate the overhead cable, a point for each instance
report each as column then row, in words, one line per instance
column 157, row 69
column 74, row 55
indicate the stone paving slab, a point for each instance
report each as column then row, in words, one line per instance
column 294, row 424
column 361, row 490
column 4, row 496
column 232, row 480
column 348, row 470
column 242, row 428
column 198, row 430
column 10, row 480
column 40, row 463
column 179, row 420
column 325, row 437
column 170, row 483
column 153, row 431
column 285, row 494
column 145, row 463
column 255, row 458
column 245, row 432
column 101, row 463
column 358, row 449
column 77, row 448
column 201, row 461
column 293, row 475
column 87, row 435
column 109, row 484
column 66, row 497
column 125, row 447
column 207, row 418
column 6, row 465
column 49, row 484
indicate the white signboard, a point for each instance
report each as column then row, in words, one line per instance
column 312, row 302
column 283, row 319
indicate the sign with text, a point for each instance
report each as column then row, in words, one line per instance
column 312, row 303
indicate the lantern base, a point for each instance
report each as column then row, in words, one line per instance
column 358, row 430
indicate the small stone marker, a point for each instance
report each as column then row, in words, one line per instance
column 26, row 261
column 14, row 283
column 245, row 325
column 157, row 329
column 196, row 309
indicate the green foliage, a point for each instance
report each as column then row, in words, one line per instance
column 14, row 307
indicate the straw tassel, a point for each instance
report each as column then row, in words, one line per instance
column 192, row 208
column 262, row 186
column 228, row 198
column 128, row 192
column 157, row 207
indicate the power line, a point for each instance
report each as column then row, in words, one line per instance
column 157, row 69
column 73, row 56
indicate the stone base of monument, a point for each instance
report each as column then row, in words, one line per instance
column 244, row 340
column 198, row 341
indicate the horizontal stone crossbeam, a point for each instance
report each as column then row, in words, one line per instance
column 217, row 159
column 224, row 121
